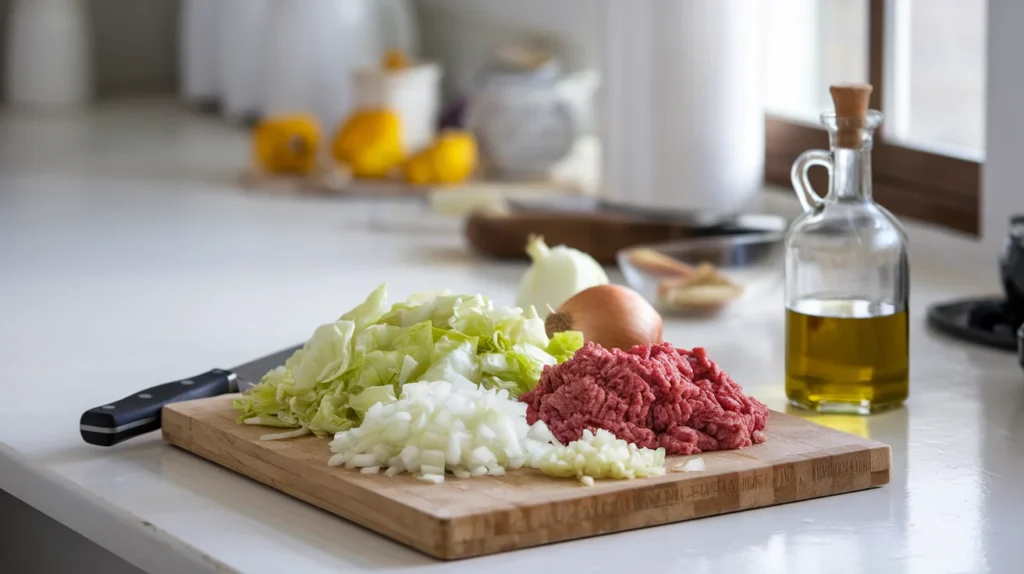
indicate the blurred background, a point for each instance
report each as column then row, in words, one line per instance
column 686, row 109
column 939, row 46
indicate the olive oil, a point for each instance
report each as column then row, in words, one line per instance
column 847, row 275
column 846, row 355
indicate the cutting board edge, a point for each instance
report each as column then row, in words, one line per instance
column 674, row 511
column 458, row 536
column 177, row 431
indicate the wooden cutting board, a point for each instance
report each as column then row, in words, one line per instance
column 470, row 517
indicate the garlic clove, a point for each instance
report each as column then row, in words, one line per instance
column 659, row 265
column 706, row 290
column 555, row 275
column 699, row 297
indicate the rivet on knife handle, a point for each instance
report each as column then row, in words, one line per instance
column 139, row 413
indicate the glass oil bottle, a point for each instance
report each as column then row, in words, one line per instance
column 847, row 277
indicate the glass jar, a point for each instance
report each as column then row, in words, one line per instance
column 847, row 282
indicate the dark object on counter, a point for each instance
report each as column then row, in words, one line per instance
column 455, row 116
column 206, row 107
column 250, row 120
column 600, row 233
column 1011, row 263
column 988, row 321
column 140, row 413
column 1020, row 346
column 992, row 321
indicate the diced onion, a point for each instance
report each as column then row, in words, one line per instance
column 601, row 455
column 469, row 431
column 434, row 427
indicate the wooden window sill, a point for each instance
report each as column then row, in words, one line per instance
column 925, row 186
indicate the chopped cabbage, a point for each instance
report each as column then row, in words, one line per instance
column 366, row 356
column 565, row 344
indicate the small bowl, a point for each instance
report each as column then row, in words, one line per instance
column 705, row 275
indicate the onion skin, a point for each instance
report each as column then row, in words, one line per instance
column 613, row 316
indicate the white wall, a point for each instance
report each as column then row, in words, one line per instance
column 1003, row 173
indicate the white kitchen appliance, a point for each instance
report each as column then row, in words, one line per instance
column 523, row 124
column 683, row 131
column 526, row 113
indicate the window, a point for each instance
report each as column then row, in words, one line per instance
column 926, row 61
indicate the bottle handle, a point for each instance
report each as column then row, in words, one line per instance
column 810, row 199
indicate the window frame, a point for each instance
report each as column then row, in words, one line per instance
column 923, row 185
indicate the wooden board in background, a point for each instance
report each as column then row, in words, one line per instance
column 476, row 516
column 600, row 234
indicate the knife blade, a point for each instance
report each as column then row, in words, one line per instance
column 139, row 413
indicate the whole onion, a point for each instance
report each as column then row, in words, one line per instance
column 613, row 316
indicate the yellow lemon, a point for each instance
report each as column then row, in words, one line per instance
column 370, row 143
column 287, row 144
column 452, row 158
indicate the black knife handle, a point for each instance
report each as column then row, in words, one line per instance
column 140, row 413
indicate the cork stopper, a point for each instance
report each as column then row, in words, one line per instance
column 851, row 103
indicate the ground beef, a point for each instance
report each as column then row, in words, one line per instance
column 652, row 395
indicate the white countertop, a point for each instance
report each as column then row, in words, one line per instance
column 130, row 258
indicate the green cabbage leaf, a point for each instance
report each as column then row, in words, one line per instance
column 365, row 357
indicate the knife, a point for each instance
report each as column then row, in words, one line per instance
column 139, row 413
